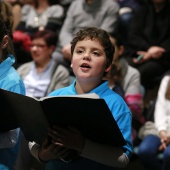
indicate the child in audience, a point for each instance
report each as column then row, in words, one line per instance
column 92, row 54
column 125, row 80
column 152, row 144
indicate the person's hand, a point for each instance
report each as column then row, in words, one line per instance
column 165, row 140
column 51, row 151
column 67, row 137
column 146, row 56
column 153, row 52
column 156, row 52
column 66, row 51
column 41, row 28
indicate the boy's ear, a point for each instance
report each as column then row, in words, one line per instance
column 5, row 41
column 108, row 68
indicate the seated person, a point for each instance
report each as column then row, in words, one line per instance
column 149, row 36
column 36, row 16
column 159, row 142
column 36, row 73
column 41, row 15
column 126, row 13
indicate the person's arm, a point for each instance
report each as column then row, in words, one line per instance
column 16, row 11
column 133, row 94
column 66, row 34
column 34, row 149
column 136, row 38
column 22, row 27
column 110, row 19
column 59, row 79
column 160, row 114
column 105, row 154
column 131, row 81
column 25, row 12
column 56, row 17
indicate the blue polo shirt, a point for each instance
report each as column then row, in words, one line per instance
column 11, row 81
column 121, row 114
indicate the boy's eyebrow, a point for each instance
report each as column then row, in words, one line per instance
column 93, row 48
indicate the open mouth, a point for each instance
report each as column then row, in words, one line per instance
column 84, row 65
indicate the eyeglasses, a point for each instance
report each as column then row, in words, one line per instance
column 38, row 45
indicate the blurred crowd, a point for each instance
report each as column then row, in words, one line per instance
column 42, row 30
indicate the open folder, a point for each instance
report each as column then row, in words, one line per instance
column 88, row 113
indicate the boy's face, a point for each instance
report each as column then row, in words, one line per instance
column 89, row 60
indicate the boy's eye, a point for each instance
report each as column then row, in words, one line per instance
column 79, row 51
column 96, row 53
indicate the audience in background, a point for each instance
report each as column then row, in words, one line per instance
column 153, row 144
column 16, row 11
column 7, row 15
column 39, row 15
column 149, row 36
column 36, row 73
column 126, row 13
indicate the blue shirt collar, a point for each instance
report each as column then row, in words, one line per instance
column 6, row 64
column 97, row 90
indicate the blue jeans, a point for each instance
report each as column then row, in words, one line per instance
column 148, row 154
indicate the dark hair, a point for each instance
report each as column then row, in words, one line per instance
column 51, row 2
column 50, row 37
column 98, row 34
column 6, row 14
column 118, row 38
column 4, row 30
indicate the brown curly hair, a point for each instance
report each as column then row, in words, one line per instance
column 98, row 34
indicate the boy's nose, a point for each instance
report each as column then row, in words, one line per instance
column 87, row 57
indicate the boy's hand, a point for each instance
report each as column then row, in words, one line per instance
column 70, row 138
column 51, row 151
